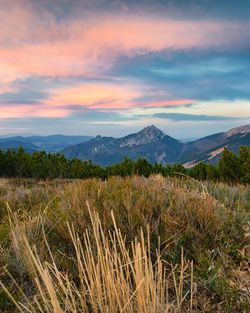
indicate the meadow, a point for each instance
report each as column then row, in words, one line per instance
column 135, row 244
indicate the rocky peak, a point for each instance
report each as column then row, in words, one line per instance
column 147, row 135
column 152, row 132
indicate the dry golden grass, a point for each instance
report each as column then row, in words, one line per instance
column 112, row 278
column 142, row 245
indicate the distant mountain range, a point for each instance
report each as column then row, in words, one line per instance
column 150, row 143
column 154, row 145
column 53, row 143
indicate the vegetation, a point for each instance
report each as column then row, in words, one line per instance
column 132, row 244
column 231, row 168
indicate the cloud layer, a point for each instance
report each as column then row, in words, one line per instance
column 60, row 58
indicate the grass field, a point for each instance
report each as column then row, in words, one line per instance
column 124, row 245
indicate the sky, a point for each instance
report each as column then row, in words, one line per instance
column 112, row 67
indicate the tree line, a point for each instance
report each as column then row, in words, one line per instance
column 231, row 168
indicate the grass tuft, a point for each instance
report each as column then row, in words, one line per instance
column 124, row 245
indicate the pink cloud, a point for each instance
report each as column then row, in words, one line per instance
column 63, row 102
column 95, row 96
column 35, row 43
column 107, row 96
column 28, row 111
column 170, row 103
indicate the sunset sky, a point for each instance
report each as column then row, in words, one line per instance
column 112, row 67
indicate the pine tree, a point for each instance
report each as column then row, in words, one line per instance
column 142, row 167
column 245, row 164
column 229, row 166
column 199, row 171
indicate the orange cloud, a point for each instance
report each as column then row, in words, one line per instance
column 95, row 96
column 107, row 96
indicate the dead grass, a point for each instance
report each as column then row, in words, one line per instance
column 94, row 262
column 112, row 278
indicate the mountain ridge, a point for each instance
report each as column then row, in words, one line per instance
column 50, row 143
column 109, row 150
column 209, row 148
column 150, row 143
column 156, row 146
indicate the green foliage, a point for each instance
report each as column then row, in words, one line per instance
column 41, row 165
column 6, row 305
column 142, row 167
column 229, row 166
column 123, row 169
column 245, row 164
column 213, row 173
column 178, row 168
column 200, row 171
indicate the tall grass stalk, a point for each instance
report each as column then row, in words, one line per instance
column 111, row 277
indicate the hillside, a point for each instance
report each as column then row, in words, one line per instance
column 154, row 145
column 52, row 143
column 209, row 149
column 16, row 143
column 150, row 143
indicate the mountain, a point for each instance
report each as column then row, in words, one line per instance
column 14, row 144
column 53, row 143
column 154, row 145
column 209, row 149
column 150, row 143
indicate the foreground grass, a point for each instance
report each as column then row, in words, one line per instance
column 156, row 245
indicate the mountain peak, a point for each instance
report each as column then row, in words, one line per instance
column 152, row 132
column 153, row 127
column 146, row 136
